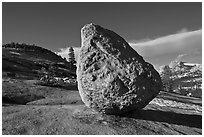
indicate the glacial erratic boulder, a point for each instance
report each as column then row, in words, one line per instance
column 112, row 77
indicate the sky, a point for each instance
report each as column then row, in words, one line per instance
column 158, row 31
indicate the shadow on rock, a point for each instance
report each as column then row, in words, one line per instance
column 189, row 120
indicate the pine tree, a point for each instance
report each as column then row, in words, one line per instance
column 71, row 57
column 166, row 74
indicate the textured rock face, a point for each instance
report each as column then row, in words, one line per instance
column 112, row 77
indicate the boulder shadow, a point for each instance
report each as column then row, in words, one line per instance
column 190, row 120
column 66, row 87
column 20, row 99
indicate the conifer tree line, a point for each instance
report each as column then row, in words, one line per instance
column 32, row 47
column 26, row 47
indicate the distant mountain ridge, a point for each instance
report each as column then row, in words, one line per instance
column 35, row 49
column 33, row 60
column 184, row 78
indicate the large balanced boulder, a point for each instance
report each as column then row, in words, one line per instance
column 112, row 77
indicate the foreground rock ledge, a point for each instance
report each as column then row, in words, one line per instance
column 112, row 77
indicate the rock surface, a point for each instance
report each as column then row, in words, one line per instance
column 61, row 112
column 112, row 77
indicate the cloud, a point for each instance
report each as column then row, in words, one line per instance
column 181, row 43
column 64, row 52
column 162, row 50
column 184, row 30
column 141, row 40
